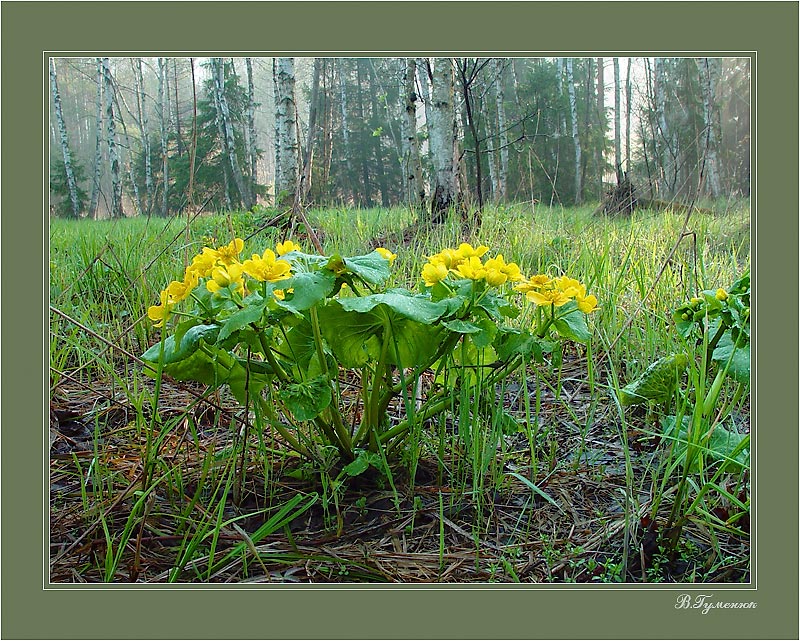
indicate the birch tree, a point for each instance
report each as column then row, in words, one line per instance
column 617, row 123
column 163, row 106
column 72, row 184
column 628, row 117
column 141, row 109
column 441, row 128
column 708, row 77
column 285, row 131
column 251, row 142
column 308, row 156
column 111, row 135
column 228, row 140
column 411, row 155
column 98, row 149
column 502, row 132
column 573, row 110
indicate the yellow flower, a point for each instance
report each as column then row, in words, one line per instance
column 280, row 294
column 225, row 276
column 570, row 286
column 204, row 262
column 495, row 277
column 160, row 313
column 534, row 283
column 230, row 253
column 286, row 247
column 267, row 268
column 385, row 253
column 721, row 294
column 179, row 290
column 466, row 251
column 548, row 297
column 587, row 304
column 450, row 258
column 472, row 268
column 509, row 271
column 432, row 273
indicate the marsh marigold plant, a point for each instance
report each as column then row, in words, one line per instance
column 279, row 327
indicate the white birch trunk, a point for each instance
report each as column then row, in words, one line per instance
column 628, row 117
column 573, row 110
column 98, row 148
column 617, row 124
column 143, row 123
column 229, row 142
column 441, row 130
column 423, row 80
column 111, row 139
column 412, row 164
column 502, row 133
column 72, row 185
column 286, row 131
column 708, row 78
column 163, row 105
column 251, row 141
column 663, row 151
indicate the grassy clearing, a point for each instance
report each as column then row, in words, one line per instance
column 168, row 481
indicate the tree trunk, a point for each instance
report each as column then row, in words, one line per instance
column 573, row 110
column 286, row 132
column 663, row 148
column 347, row 144
column 502, row 133
column 441, row 135
column 467, row 77
column 377, row 144
column 178, row 136
column 163, row 104
column 141, row 106
column 251, row 140
column 413, row 163
column 617, row 125
column 229, row 141
column 628, row 117
column 193, row 153
column 128, row 164
column 72, row 185
column 362, row 138
column 98, row 148
column 708, row 78
column 308, row 155
column 111, row 139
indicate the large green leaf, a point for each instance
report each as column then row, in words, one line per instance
column 353, row 337
column 657, row 383
column 724, row 445
column 240, row 319
column 571, row 323
column 403, row 303
column 188, row 344
column 308, row 399
column 372, row 268
column 308, row 289
column 513, row 341
column 355, row 328
column 738, row 355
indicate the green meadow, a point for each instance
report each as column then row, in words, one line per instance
column 612, row 446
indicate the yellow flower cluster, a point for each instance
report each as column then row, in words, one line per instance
column 465, row 262
column 544, row 290
column 221, row 268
